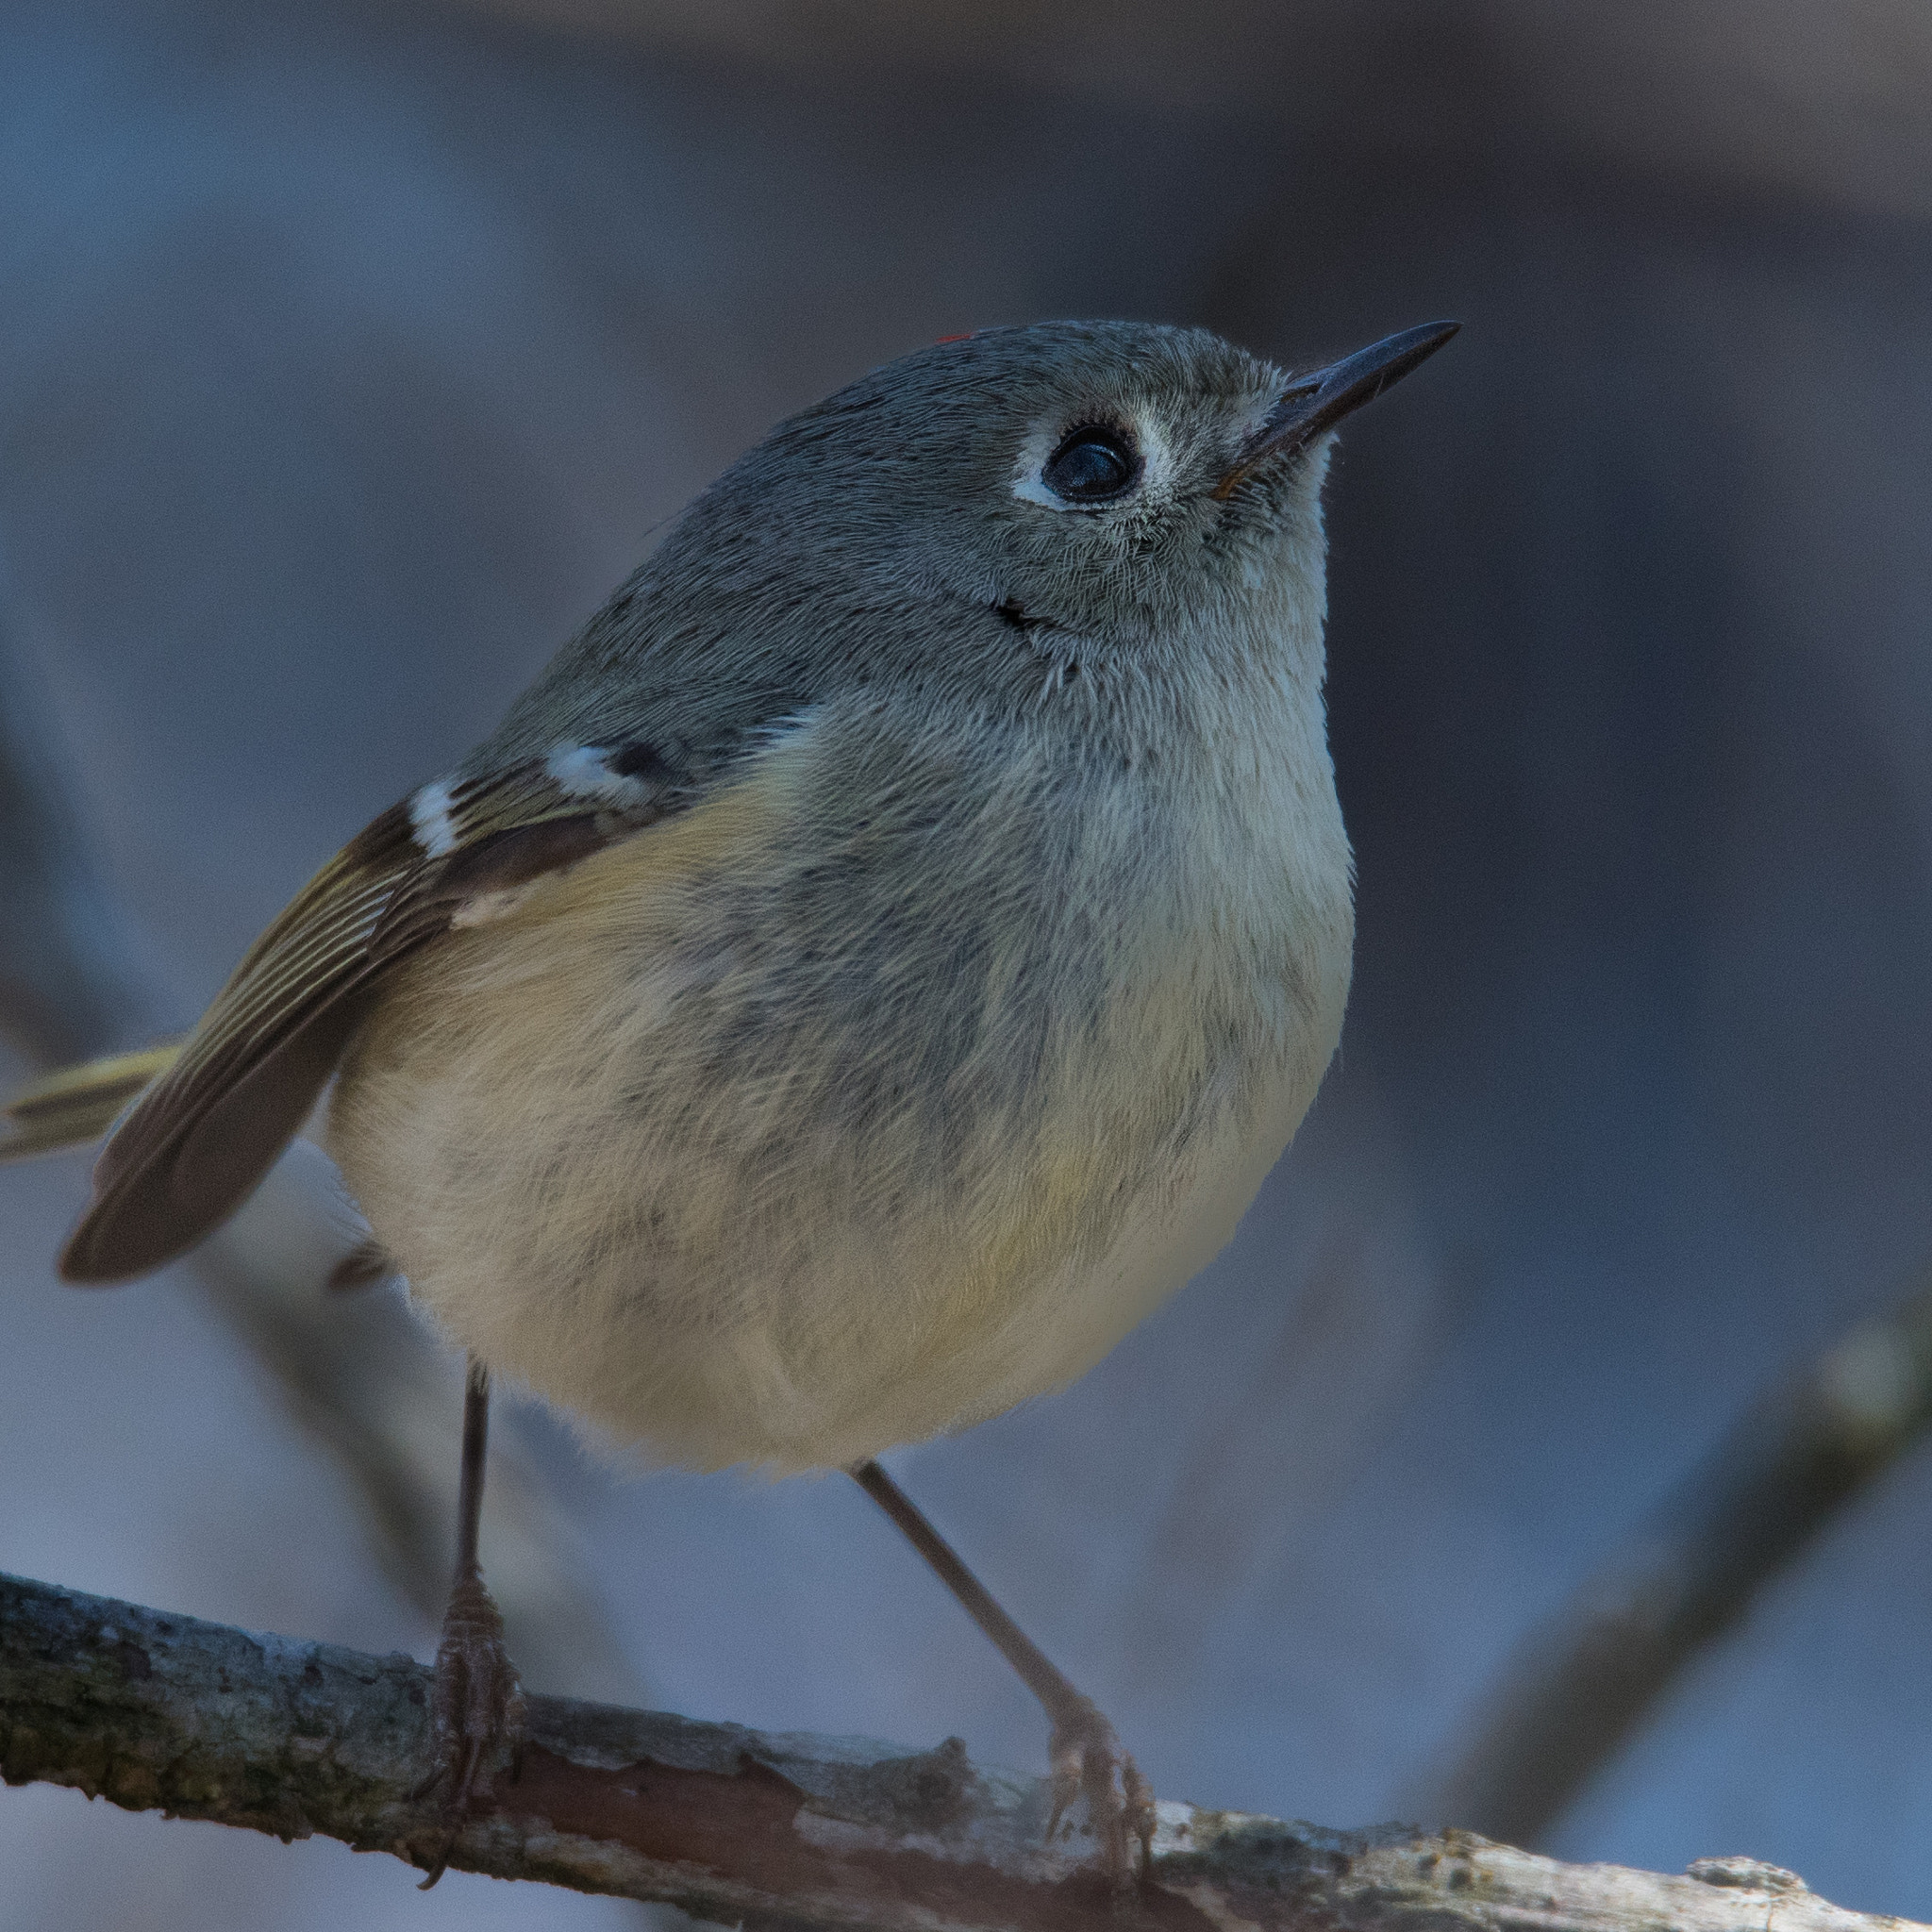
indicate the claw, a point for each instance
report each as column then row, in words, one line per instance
column 476, row 1710
column 1087, row 1761
column 1141, row 1816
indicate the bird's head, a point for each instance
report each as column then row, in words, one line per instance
column 992, row 519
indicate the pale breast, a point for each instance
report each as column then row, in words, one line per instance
column 870, row 1097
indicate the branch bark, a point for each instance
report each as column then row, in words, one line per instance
column 201, row 1721
column 1792, row 1463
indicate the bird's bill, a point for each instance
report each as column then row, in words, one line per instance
column 1322, row 397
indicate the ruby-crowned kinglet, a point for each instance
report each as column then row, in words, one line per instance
column 880, row 957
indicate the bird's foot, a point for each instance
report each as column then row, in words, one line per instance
column 476, row 1709
column 1088, row 1761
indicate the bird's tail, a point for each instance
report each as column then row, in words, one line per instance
column 76, row 1105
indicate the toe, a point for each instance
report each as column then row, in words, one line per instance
column 475, row 1707
column 1088, row 1761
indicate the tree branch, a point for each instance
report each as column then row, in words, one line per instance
column 1579, row 1686
column 201, row 1721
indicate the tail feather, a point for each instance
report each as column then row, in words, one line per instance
column 77, row 1105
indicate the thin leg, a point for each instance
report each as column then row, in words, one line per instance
column 476, row 1458
column 477, row 1705
column 1085, row 1752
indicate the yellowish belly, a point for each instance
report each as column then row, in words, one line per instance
column 727, row 1163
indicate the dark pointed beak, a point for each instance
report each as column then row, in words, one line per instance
column 1322, row 398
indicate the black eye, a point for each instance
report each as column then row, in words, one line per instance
column 1090, row 466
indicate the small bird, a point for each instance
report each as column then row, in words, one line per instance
column 873, row 966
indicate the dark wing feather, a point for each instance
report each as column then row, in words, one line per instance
column 207, row 1131
column 76, row 1105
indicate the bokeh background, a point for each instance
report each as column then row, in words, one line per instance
column 350, row 352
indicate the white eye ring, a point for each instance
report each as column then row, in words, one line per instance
column 1048, row 437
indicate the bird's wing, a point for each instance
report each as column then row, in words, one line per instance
column 76, row 1105
column 212, row 1125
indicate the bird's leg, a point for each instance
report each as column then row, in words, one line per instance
column 1085, row 1752
column 477, row 1705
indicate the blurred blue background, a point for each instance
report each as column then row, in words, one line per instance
column 349, row 353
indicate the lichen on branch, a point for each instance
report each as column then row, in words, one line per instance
column 198, row 1719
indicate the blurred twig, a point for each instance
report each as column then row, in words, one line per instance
column 70, row 981
column 204, row 1721
column 1811, row 98
column 1357, row 1320
column 1579, row 1687
column 356, row 1371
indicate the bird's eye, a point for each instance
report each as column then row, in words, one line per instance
column 1092, row 465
